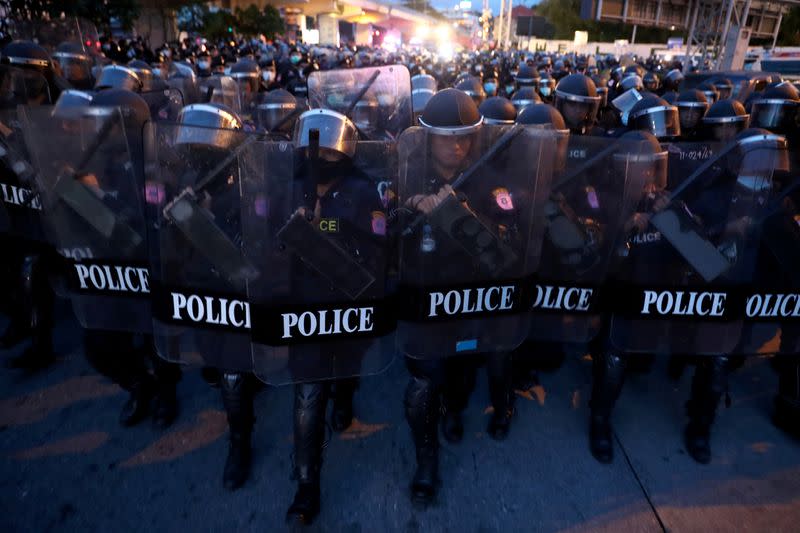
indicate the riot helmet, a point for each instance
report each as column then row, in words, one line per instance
column 118, row 77
column 211, row 127
column 641, row 154
column 692, row 106
column 654, row 115
column 75, row 64
column 777, row 109
column 630, row 82
column 524, row 97
column 473, row 87
column 577, row 100
column 547, row 117
column 725, row 119
column 711, row 92
column 274, row 110
column 423, row 87
column 760, row 156
column 247, row 75
column 144, row 72
column 69, row 101
column 651, row 82
column 724, row 87
column 498, row 110
column 527, row 76
column 453, row 120
column 338, row 135
column 633, row 70
column 135, row 113
column 672, row 81
column 32, row 60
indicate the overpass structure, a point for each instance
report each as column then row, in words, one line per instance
column 717, row 30
column 334, row 21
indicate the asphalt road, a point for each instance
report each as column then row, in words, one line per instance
column 68, row 466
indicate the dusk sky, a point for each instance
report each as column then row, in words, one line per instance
column 477, row 4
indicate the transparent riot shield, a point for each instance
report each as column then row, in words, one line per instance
column 772, row 309
column 90, row 188
column 589, row 200
column 318, row 232
column 199, row 274
column 165, row 104
column 376, row 99
column 688, row 257
column 219, row 90
column 469, row 227
column 19, row 87
column 73, row 62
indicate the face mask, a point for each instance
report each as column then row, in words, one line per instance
column 267, row 75
column 294, row 59
column 509, row 89
column 545, row 91
column 204, row 65
column 490, row 88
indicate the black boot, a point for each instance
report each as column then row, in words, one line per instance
column 343, row 391
column 608, row 378
column 422, row 409
column 38, row 310
column 499, row 368
column 165, row 408
column 137, row 407
column 310, row 400
column 238, row 401
column 16, row 332
column 167, row 375
column 452, row 426
column 708, row 385
column 787, row 402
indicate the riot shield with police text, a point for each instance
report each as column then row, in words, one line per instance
column 317, row 230
column 376, row 99
column 688, row 256
column 90, row 189
column 772, row 308
column 469, row 224
column 592, row 194
column 19, row 87
column 199, row 274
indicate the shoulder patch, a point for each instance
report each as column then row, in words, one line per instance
column 379, row 223
column 503, row 198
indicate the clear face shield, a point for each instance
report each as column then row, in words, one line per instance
column 776, row 115
column 725, row 129
column 579, row 112
column 691, row 114
column 336, row 131
column 75, row 68
column 662, row 121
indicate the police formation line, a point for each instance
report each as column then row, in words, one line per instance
column 271, row 214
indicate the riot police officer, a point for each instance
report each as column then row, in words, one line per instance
column 27, row 261
column 330, row 187
column 125, row 357
column 276, row 113
column 498, row 110
column 453, row 122
column 692, row 106
column 577, row 100
column 654, row 115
